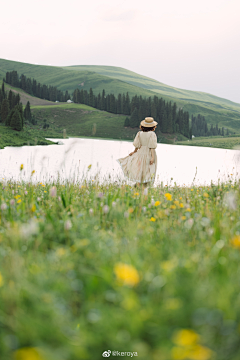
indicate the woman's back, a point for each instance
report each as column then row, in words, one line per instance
column 145, row 136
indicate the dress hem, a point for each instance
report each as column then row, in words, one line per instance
column 142, row 182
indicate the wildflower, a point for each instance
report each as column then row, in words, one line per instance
column 152, row 202
column 105, row 209
column 89, row 167
column 33, row 172
column 1, row 280
column 169, row 265
column 173, row 207
column 21, row 167
column 206, row 195
column 38, row 198
column 53, row 191
column 13, row 192
column 100, row 195
column 68, row 225
column 229, row 200
column 168, row 196
column 3, row 206
column 180, row 198
column 130, row 210
column 126, row 274
column 188, row 209
column 183, row 217
column 157, row 203
column 27, row 353
column 114, row 204
column 191, row 189
column 12, row 202
column 29, row 229
column 145, row 192
column 189, row 223
column 152, row 219
column 60, row 252
column 136, row 194
column 185, row 337
column 235, row 241
column 25, row 192
column 181, row 205
column 126, row 214
column 144, row 208
column 176, row 202
column 90, row 211
column 33, row 208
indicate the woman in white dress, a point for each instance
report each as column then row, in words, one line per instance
column 141, row 164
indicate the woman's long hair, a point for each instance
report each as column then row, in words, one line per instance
column 146, row 129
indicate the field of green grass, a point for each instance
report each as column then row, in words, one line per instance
column 118, row 80
column 28, row 136
column 213, row 141
column 86, row 268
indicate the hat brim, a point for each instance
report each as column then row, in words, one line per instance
column 145, row 124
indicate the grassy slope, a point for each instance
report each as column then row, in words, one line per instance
column 216, row 110
column 154, row 85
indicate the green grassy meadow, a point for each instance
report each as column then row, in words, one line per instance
column 28, row 136
column 213, row 141
column 86, row 268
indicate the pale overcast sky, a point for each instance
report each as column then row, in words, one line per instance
column 190, row 44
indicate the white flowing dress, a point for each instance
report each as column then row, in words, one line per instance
column 137, row 167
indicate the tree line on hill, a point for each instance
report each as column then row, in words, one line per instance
column 11, row 110
column 169, row 119
column 32, row 87
column 200, row 127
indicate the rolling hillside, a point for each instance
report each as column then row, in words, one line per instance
column 116, row 80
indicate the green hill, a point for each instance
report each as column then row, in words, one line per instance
column 116, row 80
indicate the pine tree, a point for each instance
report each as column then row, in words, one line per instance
column 16, row 122
column 126, row 122
column 133, row 122
column 91, row 103
column 27, row 112
column 103, row 102
column 4, row 110
column 222, row 131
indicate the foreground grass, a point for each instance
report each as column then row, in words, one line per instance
column 86, row 268
column 215, row 142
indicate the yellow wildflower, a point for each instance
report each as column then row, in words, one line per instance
column 33, row 208
column 185, row 337
column 127, row 274
column 180, row 198
column 152, row 219
column 131, row 210
column 183, row 217
column 136, row 194
column 27, row 353
column 157, row 203
column 19, row 200
column 206, row 195
column 236, row 241
column 176, row 202
column 179, row 353
column 173, row 207
column 168, row 196
column 89, row 167
column 33, row 172
column 191, row 189
column 1, row 280
column 188, row 209
column 43, row 185
column 181, row 205
column 168, row 265
column 200, row 353
column 21, row 167
column 60, row 251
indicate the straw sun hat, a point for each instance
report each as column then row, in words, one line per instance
column 148, row 122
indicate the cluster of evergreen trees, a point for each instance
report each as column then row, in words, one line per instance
column 32, row 87
column 169, row 119
column 200, row 127
column 11, row 110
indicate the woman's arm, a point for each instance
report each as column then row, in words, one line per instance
column 152, row 158
column 136, row 149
